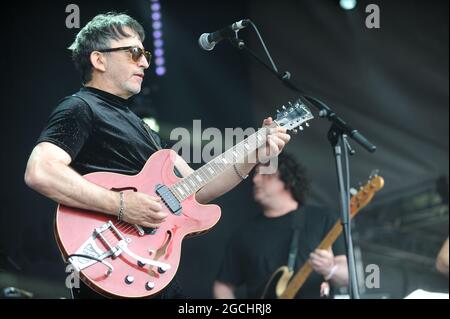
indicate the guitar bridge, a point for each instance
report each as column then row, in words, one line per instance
column 90, row 248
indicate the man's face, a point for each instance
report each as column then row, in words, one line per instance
column 266, row 186
column 124, row 74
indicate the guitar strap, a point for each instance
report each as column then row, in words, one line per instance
column 293, row 250
column 296, row 217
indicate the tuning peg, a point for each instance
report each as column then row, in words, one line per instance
column 374, row 173
column 307, row 124
column 301, row 128
column 283, row 108
column 278, row 111
column 290, row 104
column 295, row 131
column 353, row 191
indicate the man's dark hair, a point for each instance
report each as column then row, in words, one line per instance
column 293, row 175
column 97, row 35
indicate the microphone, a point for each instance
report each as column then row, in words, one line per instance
column 207, row 41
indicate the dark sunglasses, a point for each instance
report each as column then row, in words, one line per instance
column 136, row 52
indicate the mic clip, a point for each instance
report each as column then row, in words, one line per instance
column 238, row 43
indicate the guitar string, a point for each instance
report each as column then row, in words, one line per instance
column 216, row 160
column 110, row 236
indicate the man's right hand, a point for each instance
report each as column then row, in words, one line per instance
column 143, row 209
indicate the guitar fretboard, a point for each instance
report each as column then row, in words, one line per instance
column 191, row 184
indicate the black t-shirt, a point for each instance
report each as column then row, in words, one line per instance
column 258, row 248
column 100, row 133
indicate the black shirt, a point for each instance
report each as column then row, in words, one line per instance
column 257, row 249
column 100, row 133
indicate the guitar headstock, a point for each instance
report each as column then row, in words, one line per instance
column 365, row 194
column 294, row 116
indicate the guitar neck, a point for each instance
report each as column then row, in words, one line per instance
column 191, row 184
column 300, row 277
column 290, row 118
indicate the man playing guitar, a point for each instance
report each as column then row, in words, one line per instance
column 257, row 249
column 94, row 130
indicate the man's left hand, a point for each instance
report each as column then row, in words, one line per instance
column 276, row 141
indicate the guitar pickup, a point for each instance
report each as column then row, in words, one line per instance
column 169, row 199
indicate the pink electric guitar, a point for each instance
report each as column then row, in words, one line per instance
column 118, row 259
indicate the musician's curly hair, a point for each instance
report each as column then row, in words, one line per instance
column 294, row 177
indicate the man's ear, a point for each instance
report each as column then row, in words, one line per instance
column 98, row 61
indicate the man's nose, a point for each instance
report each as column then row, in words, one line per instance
column 143, row 62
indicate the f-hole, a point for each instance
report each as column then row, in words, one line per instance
column 161, row 252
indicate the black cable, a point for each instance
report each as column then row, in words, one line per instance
column 324, row 110
column 110, row 269
column 263, row 45
column 85, row 256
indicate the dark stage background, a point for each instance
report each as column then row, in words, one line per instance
column 390, row 83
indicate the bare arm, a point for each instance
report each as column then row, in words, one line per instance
column 340, row 277
column 223, row 290
column 48, row 173
column 326, row 264
column 442, row 263
column 227, row 181
column 219, row 186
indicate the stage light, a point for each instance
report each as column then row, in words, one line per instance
column 157, row 25
column 158, row 43
column 159, row 61
column 157, row 33
column 150, row 121
column 160, row 70
column 156, row 16
column 159, row 52
column 347, row 4
column 156, row 6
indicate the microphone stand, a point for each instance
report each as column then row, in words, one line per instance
column 337, row 136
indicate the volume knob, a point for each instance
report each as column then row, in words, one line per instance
column 129, row 280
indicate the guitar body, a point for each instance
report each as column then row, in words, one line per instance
column 74, row 230
column 277, row 283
